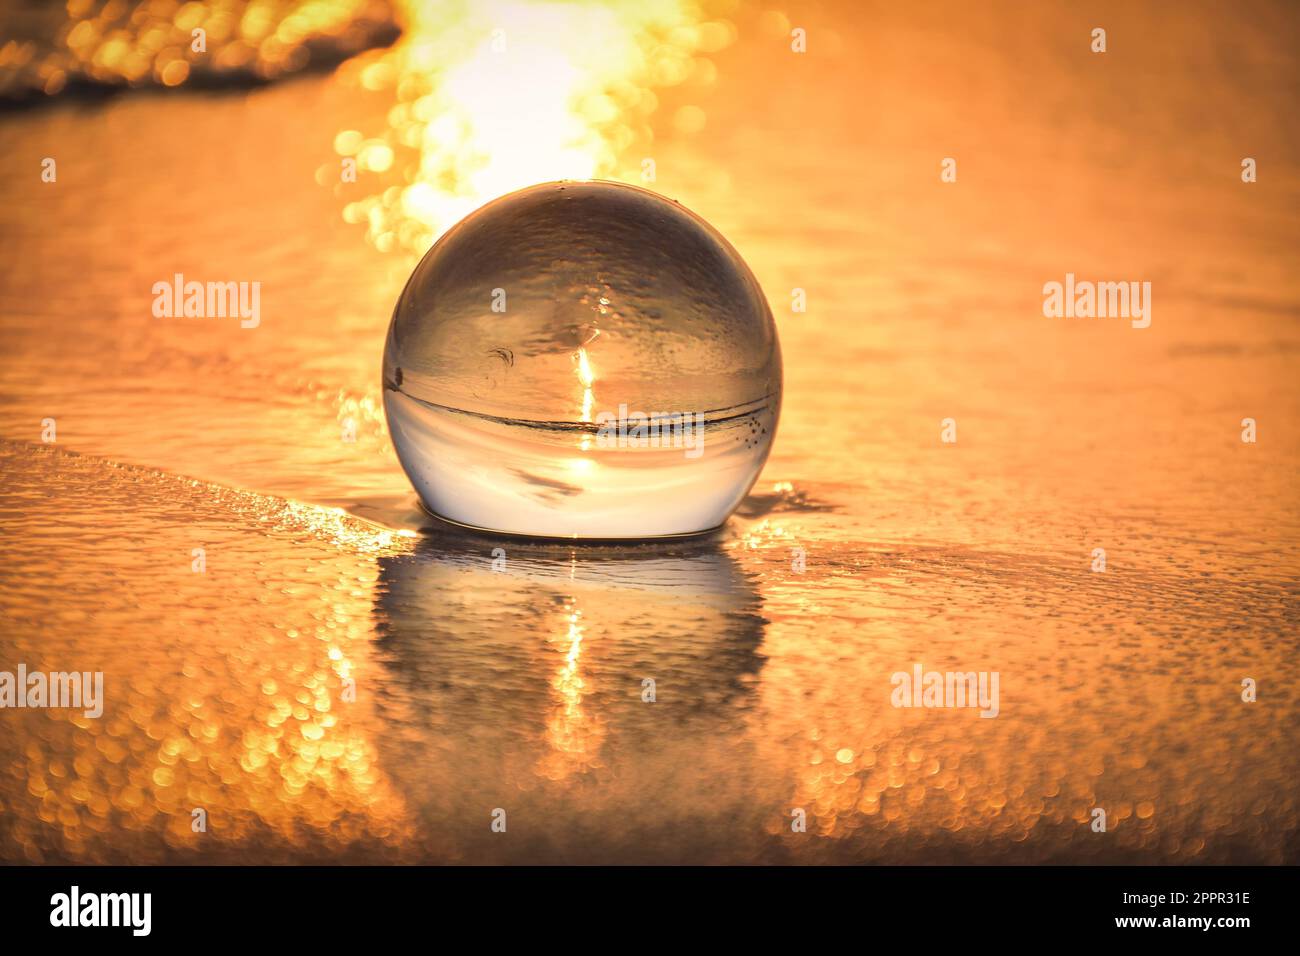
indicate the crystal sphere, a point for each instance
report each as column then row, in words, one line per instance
column 582, row 360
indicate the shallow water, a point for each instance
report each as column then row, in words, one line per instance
column 520, row 686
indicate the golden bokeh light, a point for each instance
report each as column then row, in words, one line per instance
column 492, row 97
column 115, row 43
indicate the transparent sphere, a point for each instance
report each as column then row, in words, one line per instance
column 582, row 359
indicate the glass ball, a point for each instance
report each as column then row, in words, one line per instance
column 582, row 360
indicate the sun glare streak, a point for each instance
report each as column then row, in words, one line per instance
column 575, row 737
column 586, row 377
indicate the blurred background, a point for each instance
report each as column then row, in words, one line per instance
column 478, row 690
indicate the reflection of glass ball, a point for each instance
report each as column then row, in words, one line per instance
column 582, row 360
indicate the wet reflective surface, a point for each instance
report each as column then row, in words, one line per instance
column 518, row 681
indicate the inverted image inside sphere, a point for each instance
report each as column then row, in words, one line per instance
column 665, row 310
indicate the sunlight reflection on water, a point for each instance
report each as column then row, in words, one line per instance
column 481, row 109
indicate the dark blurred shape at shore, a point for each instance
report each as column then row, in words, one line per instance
column 104, row 46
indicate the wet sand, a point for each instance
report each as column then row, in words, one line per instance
column 522, row 690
